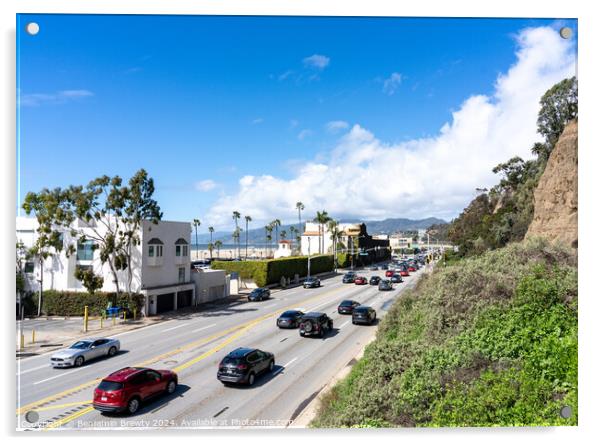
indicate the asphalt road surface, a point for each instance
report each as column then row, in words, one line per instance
column 50, row 398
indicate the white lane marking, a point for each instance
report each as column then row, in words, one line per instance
column 57, row 376
column 175, row 327
column 204, row 327
column 344, row 324
column 284, row 366
column 47, row 365
column 319, row 306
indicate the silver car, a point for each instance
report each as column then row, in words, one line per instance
column 83, row 351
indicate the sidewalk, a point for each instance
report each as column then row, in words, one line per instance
column 52, row 333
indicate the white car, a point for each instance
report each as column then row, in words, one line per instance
column 83, row 351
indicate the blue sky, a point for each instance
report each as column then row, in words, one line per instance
column 211, row 105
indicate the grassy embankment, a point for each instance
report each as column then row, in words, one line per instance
column 488, row 341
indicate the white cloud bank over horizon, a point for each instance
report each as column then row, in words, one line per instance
column 365, row 178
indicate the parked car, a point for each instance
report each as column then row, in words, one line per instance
column 360, row 280
column 128, row 388
column 374, row 267
column 349, row 277
column 389, row 273
column 347, row 306
column 259, row 294
column 385, row 285
column 363, row 315
column 311, row 282
column 84, row 351
column 243, row 365
column 374, row 280
column 289, row 319
column 315, row 323
column 396, row 278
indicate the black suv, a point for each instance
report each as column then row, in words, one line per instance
column 315, row 323
column 374, row 280
column 385, row 285
column 347, row 306
column 311, row 282
column 259, row 294
column 289, row 319
column 243, row 364
column 396, row 278
column 349, row 277
column 363, row 315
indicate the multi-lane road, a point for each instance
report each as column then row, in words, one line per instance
column 193, row 346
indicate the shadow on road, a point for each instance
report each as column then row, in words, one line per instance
column 154, row 404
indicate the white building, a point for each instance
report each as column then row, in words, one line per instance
column 160, row 263
column 284, row 249
column 313, row 236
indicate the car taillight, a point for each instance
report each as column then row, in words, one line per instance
column 241, row 367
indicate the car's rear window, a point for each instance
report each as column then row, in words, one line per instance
column 346, row 303
column 107, row 385
column 289, row 314
column 231, row 361
column 361, row 309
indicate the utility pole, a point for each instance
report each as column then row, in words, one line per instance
column 352, row 252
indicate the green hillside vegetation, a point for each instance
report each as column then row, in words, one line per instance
column 488, row 341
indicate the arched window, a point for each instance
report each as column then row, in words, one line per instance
column 181, row 247
column 155, row 248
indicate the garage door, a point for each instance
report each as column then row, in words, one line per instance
column 164, row 303
column 216, row 292
column 184, row 298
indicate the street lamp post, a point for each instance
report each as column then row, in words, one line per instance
column 308, row 257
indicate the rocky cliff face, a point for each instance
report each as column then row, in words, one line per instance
column 555, row 213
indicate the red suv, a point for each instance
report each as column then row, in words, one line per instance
column 126, row 389
column 361, row 280
column 389, row 273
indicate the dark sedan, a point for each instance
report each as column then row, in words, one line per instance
column 311, row 282
column 349, row 277
column 385, row 285
column 363, row 315
column 347, row 306
column 243, row 365
column 259, row 294
column 289, row 319
column 396, row 278
column 374, row 280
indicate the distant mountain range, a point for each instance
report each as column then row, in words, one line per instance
column 257, row 236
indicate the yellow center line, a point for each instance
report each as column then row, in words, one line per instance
column 241, row 328
column 64, row 405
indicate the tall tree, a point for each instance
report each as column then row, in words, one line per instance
column 236, row 217
column 322, row 218
column 275, row 225
column 248, row 219
column 218, row 245
column 268, row 237
column 112, row 214
column 299, row 206
column 211, row 230
column 195, row 224
column 283, row 234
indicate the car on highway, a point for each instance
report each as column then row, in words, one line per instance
column 126, row 389
column 384, row 267
column 84, row 351
column 311, row 282
column 259, row 294
column 243, row 365
column 349, row 277
column 315, row 323
column 289, row 319
column 360, row 280
column 374, row 280
column 389, row 273
column 347, row 306
column 385, row 285
column 411, row 268
column 404, row 272
column 363, row 315
column 374, row 267
column 396, row 278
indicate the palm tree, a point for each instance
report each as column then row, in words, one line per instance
column 236, row 238
column 268, row 237
column 276, row 224
column 283, row 234
column 248, row 219
column 322, row 218
column 196, row 223
column 236, row 217
column 299, row 206
column 211, row 230
column 218, row 245
column 210, row 247
column 292, row 230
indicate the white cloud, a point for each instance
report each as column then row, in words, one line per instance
column 316, row 61
column 364, row 177
column 60, row 97
column 205, row 185
column 336, row 126
column 391, row 84
column 304, row 134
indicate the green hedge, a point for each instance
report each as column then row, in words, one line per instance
column 67, row 303
column 266, row 272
